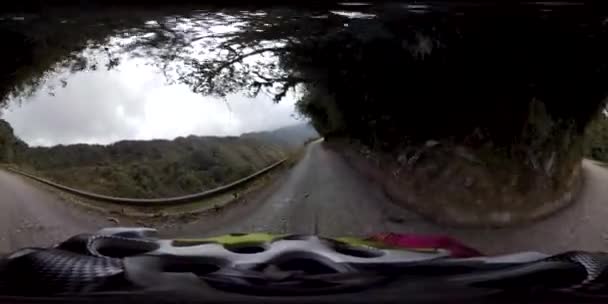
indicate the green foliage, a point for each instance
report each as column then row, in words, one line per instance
column 162, row 168
column 152, row 168
column 322, row 110
column 596, row 141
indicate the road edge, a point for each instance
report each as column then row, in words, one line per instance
column 155, row 201
column 456, row 218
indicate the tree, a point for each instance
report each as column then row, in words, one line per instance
column 391, row 77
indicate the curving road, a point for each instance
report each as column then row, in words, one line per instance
column 320, row 194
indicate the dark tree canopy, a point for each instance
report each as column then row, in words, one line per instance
column 385, row 75
column 395, row 74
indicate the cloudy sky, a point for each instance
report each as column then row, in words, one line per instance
column 134, row 102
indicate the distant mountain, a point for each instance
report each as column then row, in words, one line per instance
column 291, row 136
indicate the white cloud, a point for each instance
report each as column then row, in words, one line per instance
column 134, row 102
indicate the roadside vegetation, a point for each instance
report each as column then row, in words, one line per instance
column 596, row 141
column 157, row 168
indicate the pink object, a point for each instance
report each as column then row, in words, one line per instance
column 416, row 241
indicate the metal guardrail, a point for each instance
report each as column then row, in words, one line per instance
column 151, row 201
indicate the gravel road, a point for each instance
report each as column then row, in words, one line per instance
column 320, row 194
column 323, row 194
column 32, row 216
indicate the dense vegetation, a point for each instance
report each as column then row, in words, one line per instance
column 477, row 78
column 596, row 141
column 10, row 146
column 161, row 168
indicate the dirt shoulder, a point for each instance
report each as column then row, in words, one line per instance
column 451, row 186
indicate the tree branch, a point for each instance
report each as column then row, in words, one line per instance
column 241, row 57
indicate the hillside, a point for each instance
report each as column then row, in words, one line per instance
column 162, row 168
column 291, row 136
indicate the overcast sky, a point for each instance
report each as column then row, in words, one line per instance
column 134, row 102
